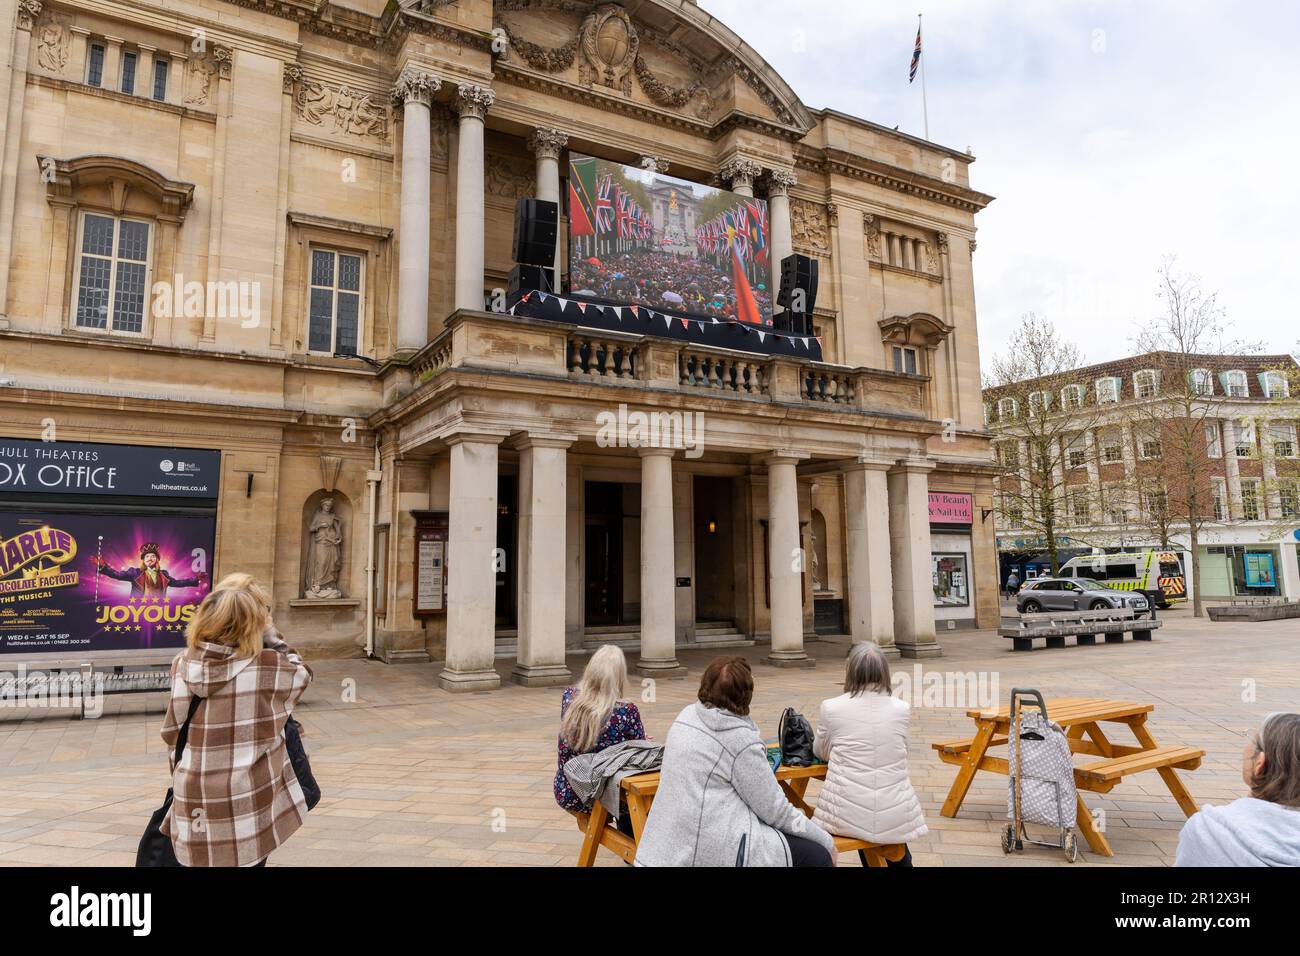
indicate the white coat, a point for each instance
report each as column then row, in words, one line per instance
column 867, row 793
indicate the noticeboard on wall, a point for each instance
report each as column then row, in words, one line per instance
column 430, row 562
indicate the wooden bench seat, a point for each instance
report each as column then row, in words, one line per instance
column 956, row 747
column 1101, row 776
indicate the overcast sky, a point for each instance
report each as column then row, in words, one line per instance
column 1111, row 133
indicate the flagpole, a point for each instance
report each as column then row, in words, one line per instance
column 925, row 108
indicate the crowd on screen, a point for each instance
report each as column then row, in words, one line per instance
column 661, row 280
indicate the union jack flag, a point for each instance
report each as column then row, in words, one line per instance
column 605, row 206
column 916, row 55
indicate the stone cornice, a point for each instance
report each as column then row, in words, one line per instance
column 837, row 161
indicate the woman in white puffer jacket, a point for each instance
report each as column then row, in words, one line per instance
column 862, row 734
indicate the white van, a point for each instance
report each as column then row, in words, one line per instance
column 1157, row 574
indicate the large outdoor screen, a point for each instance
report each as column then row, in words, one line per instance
column 640, row 237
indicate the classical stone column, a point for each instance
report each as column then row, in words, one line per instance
column 471, row 565
column 1093, row 463
column 895, row 249
column 541, row 562
column 472, row 103
column 413, row 92
column 1236, row 511
column 1289, row 572
column 28, row 11
column 785, row 562
column 1270, row 504
column 740, row 173
column 870, row 577
column 658, row 578
column 778, row 201
column 546, row 145
column 909, row 539
column 223, row 58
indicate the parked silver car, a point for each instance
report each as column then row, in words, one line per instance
column 1063, row 594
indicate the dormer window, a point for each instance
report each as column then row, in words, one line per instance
column 1146, row 383
column 1008, row 409
column 1072, row 397
column 1039, row 403
column 1202, row 381
column 1107, row 390
column 1275, row 385
column 1234, row 384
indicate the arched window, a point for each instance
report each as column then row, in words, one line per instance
column 119, row 221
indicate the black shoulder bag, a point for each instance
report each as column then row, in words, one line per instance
column 301, row 765
column 155, row 846
column 796, row 737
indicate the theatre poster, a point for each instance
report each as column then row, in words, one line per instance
column 102, row 547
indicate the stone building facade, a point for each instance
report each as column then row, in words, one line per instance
column 273, row 228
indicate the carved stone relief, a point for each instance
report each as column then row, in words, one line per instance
column 507, row 176
column 341, row 109
column 809, row 226
column 607, row 50
column 200, row 71
column 53, row 44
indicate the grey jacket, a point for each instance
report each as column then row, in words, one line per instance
column 1246, row 832
column 599, row 775
column 716, row 789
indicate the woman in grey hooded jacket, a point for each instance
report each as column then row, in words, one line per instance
column 718, row 802
column 1262, row 829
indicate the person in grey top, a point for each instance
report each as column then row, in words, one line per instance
column 1262, row 829
column 718, row 802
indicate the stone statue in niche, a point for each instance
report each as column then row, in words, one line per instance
column 325, row 555
column 816, row 563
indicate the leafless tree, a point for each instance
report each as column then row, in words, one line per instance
column 1172, row 487
column 1039, row 404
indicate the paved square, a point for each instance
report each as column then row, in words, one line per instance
column 413, row 775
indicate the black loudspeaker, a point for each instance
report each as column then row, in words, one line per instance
column 524, row 278
column 793, row 323
column 537, row 224
column 798, row 272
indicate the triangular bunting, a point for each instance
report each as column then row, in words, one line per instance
column 805, row 342
column 686, row 325
column 668, row 321
column 541, row 296
column 564, row 303
column 525, row 297
column 582, row 307
column 760, row 335
column 618, row 311
column 635, row 310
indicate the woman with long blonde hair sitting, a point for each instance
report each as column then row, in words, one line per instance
column 237, row 797
column 592, row 717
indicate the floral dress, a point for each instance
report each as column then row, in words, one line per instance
column 624, row 724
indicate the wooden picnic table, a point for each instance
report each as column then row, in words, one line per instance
column 599, row 830
column 1081, row 719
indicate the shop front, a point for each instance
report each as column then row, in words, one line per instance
column 952, row 559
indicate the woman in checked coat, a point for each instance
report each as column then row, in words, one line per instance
column 236, row 795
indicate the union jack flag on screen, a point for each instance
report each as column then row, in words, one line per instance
column 605, row 206
column 916, row 55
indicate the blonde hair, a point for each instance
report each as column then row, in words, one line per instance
column 236, row 613
column 602, row 684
